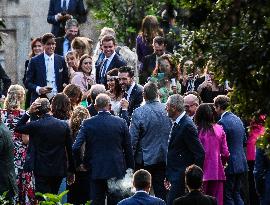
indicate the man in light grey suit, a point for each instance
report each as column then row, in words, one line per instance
column 150, row 129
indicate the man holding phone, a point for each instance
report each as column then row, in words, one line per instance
column 47, row 72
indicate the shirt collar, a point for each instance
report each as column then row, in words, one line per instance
column 142, row 191
column 130, row 88
column 47, row 57
column 111, row 57
column 223, row 114
column 180, row 117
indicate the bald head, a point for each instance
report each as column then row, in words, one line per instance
column 191, row 103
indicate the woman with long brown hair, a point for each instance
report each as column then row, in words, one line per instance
column 149, row 30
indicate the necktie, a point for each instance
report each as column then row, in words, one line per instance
column 69, row 45
column 125, row 95
column 64, row 6
column 103, row 69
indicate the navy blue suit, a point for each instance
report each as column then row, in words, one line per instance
column 52, row 147
column 184, row 150
column 142, row 198
column 36, row 74
column 262, row 176
column 135, row 100
column 237, row 164
column 195, row 197
column 116, row 62
column 108, row 151
column 75, row 8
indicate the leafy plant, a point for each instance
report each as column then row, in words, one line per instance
column 53, row 199
column 3, row 198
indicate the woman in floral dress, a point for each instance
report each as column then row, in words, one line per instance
column 11, row 114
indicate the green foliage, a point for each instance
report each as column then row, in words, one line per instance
column 3, row 198
column 52, row 199
column 124, row 16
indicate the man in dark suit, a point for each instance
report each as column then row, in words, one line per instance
column 194, row 178
column 184, row 147
column 110, row 59
column 237, row 164
column 108, row 151
column 150, row 61
column 47, row 73
column 142, row 183
column 63, row 44
column 62, row 10
column 132, row 92
column 150, row 129
column 7, row 170
column 52, row 144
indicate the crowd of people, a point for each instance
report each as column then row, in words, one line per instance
column 84, row 117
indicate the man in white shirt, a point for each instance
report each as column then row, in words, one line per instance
column 47, row 73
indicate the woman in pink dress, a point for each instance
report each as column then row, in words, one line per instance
column 84, row 78
column 213, row 139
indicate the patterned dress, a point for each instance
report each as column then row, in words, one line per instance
column 24, row 180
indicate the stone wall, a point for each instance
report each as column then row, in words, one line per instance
column 25, row 19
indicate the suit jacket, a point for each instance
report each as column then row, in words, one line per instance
column 108, row 151
column 195, row 198
column 116, row 62
column 262, row 175
column 148, row 65
column 36, row 74
column 135, row 100
column 52, row 143
column 184, row 149
column 5, row 82
column 142, row 198
column 150, row 129
column 75, row 8
column 235, row 136
column 59, row 45
column 7, row 170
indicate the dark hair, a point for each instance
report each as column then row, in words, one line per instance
column 127, row 69
column 150, row 91
column 159, row 40
column 74, row 93
column 141, row 179
column 81, row 61
column 222, row 101
column 168, row 57
column 118, row 89
column 46, row 37
column 33, row 42
column 194, row 177
column 61, row 106
column 108, row 38
column 204, row 117
column 150, row 28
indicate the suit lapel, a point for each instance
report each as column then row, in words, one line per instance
column 56, row 69
column 43, row 70
column 176, row 130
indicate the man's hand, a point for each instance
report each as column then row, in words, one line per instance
column 34, row 107
column 81, row 168
column 44, row 90
column 124, row 104
column 70, row 179
column 167, row 184
column 59, row 17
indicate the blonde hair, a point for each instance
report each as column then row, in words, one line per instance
column 15, row 97
column 79, row 114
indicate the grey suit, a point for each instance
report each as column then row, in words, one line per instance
column 150, row 129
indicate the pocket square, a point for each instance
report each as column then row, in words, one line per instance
column 60, row 70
